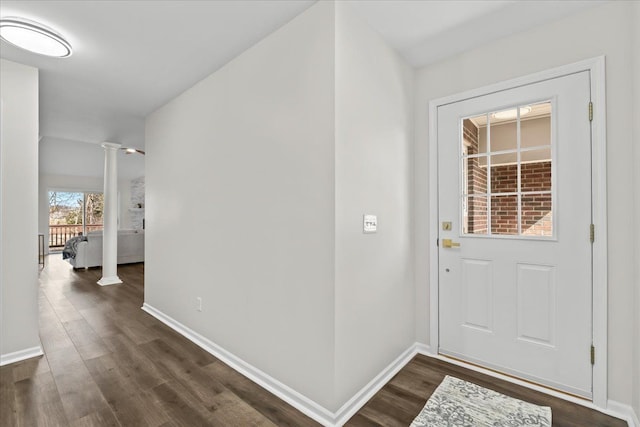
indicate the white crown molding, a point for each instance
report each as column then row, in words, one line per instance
column 18, row 356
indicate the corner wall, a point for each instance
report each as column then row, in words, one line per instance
column 240, row 176
column 274, row 159
column 18, row 212
column 373, row 162
column 555, row 44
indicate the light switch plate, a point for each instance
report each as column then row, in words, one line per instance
column 369, row 224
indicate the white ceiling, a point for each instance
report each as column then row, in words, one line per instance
column 131, row 57
column 426, row 31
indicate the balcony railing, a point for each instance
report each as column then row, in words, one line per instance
column 59, row 234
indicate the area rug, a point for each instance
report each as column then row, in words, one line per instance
column 463, row 404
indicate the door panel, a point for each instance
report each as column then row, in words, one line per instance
column 514, row 181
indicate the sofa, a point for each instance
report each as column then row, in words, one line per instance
column 89, row 252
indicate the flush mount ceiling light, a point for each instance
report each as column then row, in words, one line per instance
column 511, row 114
column 34, row 37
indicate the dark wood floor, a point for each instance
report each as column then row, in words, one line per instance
column 108, row 363
column 398, row 402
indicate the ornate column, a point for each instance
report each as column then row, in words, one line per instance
column 110, row 216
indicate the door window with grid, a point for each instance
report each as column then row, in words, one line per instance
column 507, row 172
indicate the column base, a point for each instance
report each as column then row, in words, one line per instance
column 113, row 280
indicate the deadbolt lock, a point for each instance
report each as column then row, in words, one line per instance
column 446, row 225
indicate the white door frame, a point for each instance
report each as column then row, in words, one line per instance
column 596, row 68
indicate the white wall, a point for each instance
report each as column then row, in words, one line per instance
column 604, row 30
column 636, row 161
column 84, row 159
column 18, row 208
column 240, row 173
column 373, row 162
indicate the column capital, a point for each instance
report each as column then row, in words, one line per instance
column 110, row 145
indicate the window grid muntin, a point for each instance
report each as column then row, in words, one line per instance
column 466, row 196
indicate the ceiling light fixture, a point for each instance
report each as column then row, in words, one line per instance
column 34, row 37
column 130, row 150
column 511, row 114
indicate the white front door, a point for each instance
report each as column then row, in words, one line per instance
column 514, row 192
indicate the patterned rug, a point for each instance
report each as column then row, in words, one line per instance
column 462, row 404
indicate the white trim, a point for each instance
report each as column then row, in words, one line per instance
column 354, row 404
column 284, row 392
column 106, row 281
column 599, row 247
column 18, row 356
column 596, row 68
column 423, row 349
column 623, row 411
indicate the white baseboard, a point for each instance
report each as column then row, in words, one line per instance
column 18, row 356
column 284, row 392
column 354, row 404
column 623, row 411
column 423, row 349
column 107, row 281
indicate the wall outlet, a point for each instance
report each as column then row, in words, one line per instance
column 199, row 304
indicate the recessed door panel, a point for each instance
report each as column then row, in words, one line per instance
column 477, row 295
column 536, row 290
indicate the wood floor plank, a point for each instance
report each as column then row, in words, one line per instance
column 279, row 412
column 78, row 391
column 86, row 341
column 102, row 418
column 51, row 414
column 136, row 364
column 359, row 420
column 139, row 409
column 114, row 383
column 178, row 402
column 8, row 410
column 229, row 410
column 203, row 385
column 37, row 402
column 100, row 321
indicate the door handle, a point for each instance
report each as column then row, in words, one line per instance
column 448, row 243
